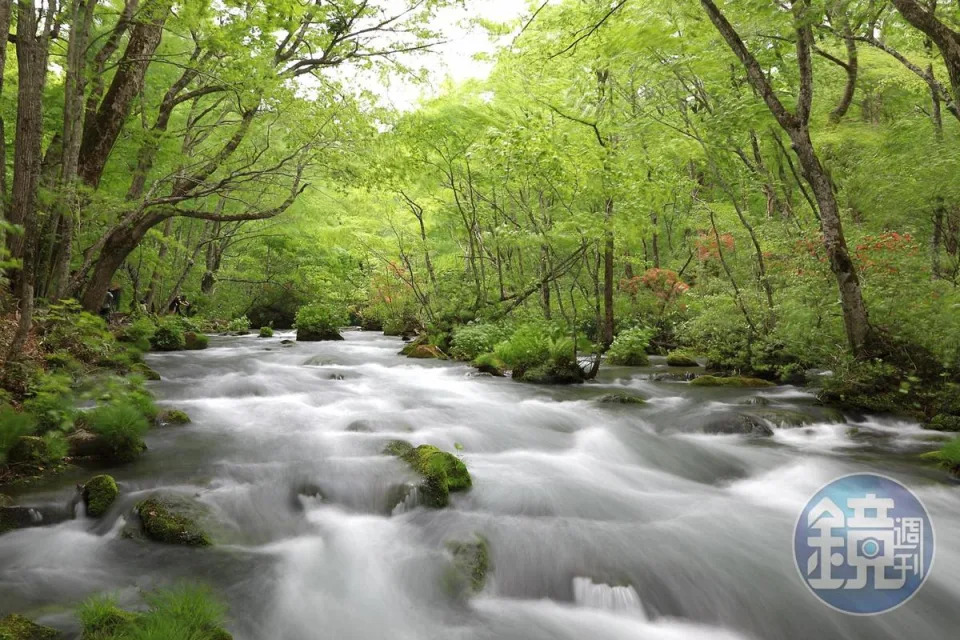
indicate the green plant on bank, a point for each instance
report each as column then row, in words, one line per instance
column 629, row 348
column 320, row 321
column 13, row 426
column 52, row 402
column 948, row 456
column 239, row 325
column 473, row 340
column 121, row 424
column 169, row 336
column 139, row 333
column 65, row 327
column 185, row 612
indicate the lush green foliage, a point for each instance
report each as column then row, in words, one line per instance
column 169, row 336
column 266, row 332
column 122, row 425
column 473, row 340
column 320, row 320
column 630, row 347
column 185, row 612
column 13, row 425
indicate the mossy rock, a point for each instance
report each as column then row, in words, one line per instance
column 737, row 382
column 944, row 422
column 425, row 352
column 471, row 564
column 313, row 335
column 681, row 359
column 745, row 425
column 145, row 371
column 30, row 450
column 15, row 518
column 552, row 373
column 163, row 520
column 99, row 493
column 442, row 472
column 173, row 416
column 16, row 627
column 785, row 418
column 635, row 359
column 621, row 398
column 266, row 332
column 195, row 341
column 86, row 444
column 491, row 365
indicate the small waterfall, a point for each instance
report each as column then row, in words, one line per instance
column 623, row 599
column 410, row 502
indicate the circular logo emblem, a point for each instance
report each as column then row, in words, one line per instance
column 864, row 544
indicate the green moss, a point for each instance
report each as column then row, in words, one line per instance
column 621, row 398
column 442, row 472
column 681, row 359
column 266, row 332
column 554, row 372
column 168, row 337
column 99, row 493
column 195, row 341
column 423, row 352
column 398, row 448
column 490, row 363
column 948, row 456
column 173, row 416
column 16, row 627
column 33, row 450
column 944, row 422
column 471, row 563
column 738, row 382
column 145, row 371
column 121, row 426
column 162, row 521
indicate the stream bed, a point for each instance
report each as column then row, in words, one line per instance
column 603, row 521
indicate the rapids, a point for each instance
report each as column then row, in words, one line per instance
column 604, row 521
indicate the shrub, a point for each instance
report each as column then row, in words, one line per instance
column 239, row 325
column 169, row 336
column 472, row 340
column 318, row 321
column 139, row 333
column 13, row 425
column 528, row 347
column 630, row 347
column 185, row 612
column 83, row 335
column 542, row 354
column 122, row 425
column 266, row 332
column 195, row 341
column 51, row 402
column 39, row 450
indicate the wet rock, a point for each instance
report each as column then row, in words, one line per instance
column 758, row 401
column 423, row 352
column 685, row 376
column 17, row 517
column 336, row 377
column 738, row 382
column 86, row 444
column 740, row 424
column 16, row 627
column 145, row 371
column 471, row 563
column 360, row 426
column 98, row 494
column 172, row 417
column 195, row 341
column 303, row 490
column 166, row 520
column 681, row 359
column 29, row 450
column 944, row 422
column 785, row 418
column 305, row 334
column 621, row 398
column 552, row 373
column 442, row 472
column 286, row 342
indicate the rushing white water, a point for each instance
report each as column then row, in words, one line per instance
column 602, row 520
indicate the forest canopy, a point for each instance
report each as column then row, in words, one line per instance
column 771, row 185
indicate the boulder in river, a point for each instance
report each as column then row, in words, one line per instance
column 944, row 422
column 738, row 382
column 423, row 352
column 738, row 424
column 557, row 373
column 99, row 493
column 681, row 359
column 305, row 334
column 442, row 472
column 621, row 398
column 172, row 416
column 165, row 520
column 16, row 627
column 471, row 563
column 195, row 341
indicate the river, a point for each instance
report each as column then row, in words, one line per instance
column 604, row 521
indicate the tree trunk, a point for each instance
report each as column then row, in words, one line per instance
column 31, row 72
column 608, row 248
column 102, row 130
column 946, row 39
column 161, row 259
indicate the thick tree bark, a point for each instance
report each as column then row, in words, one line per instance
column 946, row 39
column 855, row 318
column 32, row 49
column 101, row 131
column 5, row 13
